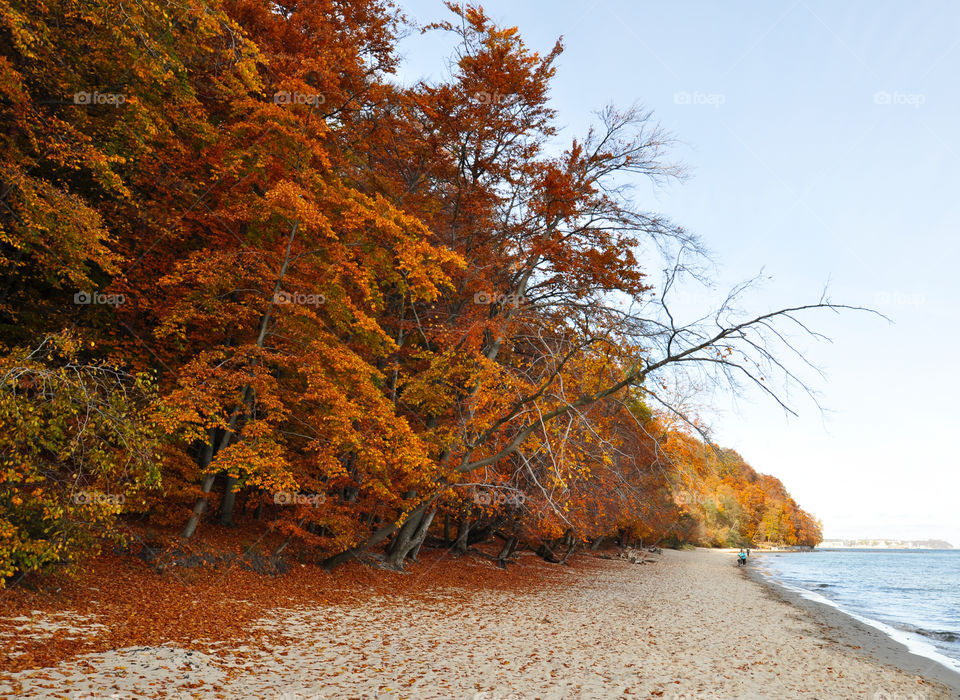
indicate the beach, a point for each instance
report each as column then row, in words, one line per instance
column 690, row 625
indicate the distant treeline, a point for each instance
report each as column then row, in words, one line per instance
column 887, row 544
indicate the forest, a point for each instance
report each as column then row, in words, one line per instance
column 250, row 279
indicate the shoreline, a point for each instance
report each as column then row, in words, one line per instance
column 861, row 637
column 691, row 625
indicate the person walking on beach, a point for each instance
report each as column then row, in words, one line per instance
column 742, row 558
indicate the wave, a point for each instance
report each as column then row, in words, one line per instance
column 939, row 635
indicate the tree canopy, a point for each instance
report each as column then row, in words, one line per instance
column 242, row 264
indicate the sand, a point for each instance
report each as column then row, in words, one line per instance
column 692, row 625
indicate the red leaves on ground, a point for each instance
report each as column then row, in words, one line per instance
column 192, row 608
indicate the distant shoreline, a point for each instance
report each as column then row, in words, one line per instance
column 821, row 548
column 884, row 543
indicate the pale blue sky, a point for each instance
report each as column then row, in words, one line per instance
column 823, row 145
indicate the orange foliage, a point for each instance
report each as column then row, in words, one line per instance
column 365, row 304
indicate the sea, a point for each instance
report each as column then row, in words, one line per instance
column 913, row 595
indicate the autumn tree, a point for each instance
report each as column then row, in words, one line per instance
column 78, row 446
column 391, row 301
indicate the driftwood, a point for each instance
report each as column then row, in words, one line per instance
column 634, row 555
column 546, row 553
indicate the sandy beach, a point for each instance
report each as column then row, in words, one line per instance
column 691, row 625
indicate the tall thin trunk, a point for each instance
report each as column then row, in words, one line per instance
column 229, row 501
column 209, row 449
column 463, row 533
column 199, row 507
column 246, row 403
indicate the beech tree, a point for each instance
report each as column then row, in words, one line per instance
column 370, row 311
column 549, row 241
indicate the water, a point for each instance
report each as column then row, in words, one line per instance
column 912, row 595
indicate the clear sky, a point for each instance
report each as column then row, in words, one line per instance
column 822, row 139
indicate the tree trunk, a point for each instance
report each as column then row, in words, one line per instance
column 246, row 402
column 421, row 536
column 546, row 553
column 463, row 532
column 573, row 545
column 408, row 527
column 376, row 538
column 411, row 534
column 400, row 545
column 287, row 540
column 229, row 500
column 205, row 487
column 198, row 507
column 506, row 551
column 483, row 534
